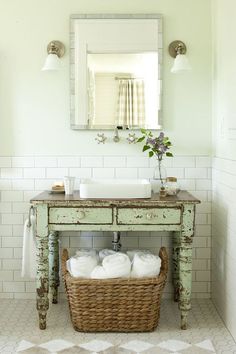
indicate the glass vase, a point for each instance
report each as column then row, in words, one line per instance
column 159, row 176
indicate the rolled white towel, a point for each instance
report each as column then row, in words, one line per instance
column 131, row 253
column 99, row 273
column 104, row 253
column 81, row 266
column 117, row 265
column 86, row 251
column 145, row 265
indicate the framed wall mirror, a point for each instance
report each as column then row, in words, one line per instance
column 115, row 71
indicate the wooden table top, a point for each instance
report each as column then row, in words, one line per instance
column 49, row 197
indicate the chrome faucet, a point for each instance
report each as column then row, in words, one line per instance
column 116, row 241
column 116, row 137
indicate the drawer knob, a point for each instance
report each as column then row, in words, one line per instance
column 149, row 216
column 81, row 214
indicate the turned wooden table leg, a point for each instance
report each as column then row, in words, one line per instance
column 42, row 264
column 175, row 264
column 185, row 262
column 54, row 280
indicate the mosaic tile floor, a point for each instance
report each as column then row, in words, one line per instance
column 19, row 333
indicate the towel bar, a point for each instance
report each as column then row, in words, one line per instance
column 31, row 211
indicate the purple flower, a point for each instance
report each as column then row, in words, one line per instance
column 151, row 141
column 156, row 146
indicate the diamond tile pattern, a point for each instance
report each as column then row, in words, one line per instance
column 96, row 345
column 19, row 333
column 36, row 350
column 137, row 346
column 56, row 345
column 174, row 345
column 195, row 350
column 206, row 344
column 24, row 345
column 101, row 346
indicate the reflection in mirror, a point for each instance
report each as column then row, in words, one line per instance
column 116, row 71
column 123, row 90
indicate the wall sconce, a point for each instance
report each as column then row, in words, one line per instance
column 177, row 49
column 55, row 51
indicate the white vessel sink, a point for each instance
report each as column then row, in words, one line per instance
column 115, row 188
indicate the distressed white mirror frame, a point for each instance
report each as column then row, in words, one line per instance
column 78, row 91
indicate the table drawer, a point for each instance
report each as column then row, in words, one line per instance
column 148, row 216
column 80, row 216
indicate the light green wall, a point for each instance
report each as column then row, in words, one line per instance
column 224, row 163
column 224, row 88
column 34, row 105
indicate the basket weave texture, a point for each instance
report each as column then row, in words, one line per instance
column 115, row 305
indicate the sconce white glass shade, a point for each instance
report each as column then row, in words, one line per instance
column 52, row 63
column 181, row 64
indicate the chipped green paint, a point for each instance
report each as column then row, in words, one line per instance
column 175, row 262
column 54, row 280
column 80, row 216
column 149, row 216
column 114, row 227
column 185, row 262
column 60, row 213
column 42, row 264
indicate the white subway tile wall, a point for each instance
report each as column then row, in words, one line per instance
column 224, row 240
column 21, row 178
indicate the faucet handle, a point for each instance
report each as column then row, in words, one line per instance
column 101, row 138
column 131, row 138
column 116, row 137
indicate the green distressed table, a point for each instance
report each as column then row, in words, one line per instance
column 58, row 212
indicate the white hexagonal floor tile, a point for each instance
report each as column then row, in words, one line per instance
column 19, row 326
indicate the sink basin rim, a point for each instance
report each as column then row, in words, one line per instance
column 115, row 188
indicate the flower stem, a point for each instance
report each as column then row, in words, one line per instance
column 159, row 166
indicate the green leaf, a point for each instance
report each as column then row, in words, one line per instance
column 143, row 131
column 169, row 154
column 151, row 153
column 146, row 147
column 140, row 139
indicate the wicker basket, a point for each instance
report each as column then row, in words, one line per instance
column 115, row 305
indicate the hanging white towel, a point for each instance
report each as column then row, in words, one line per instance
column 145, row 265
column 29, row 249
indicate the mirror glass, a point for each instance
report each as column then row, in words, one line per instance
column 116, row 72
